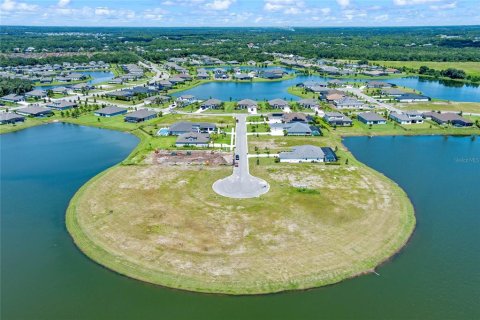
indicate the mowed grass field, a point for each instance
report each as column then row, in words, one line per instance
column 473, row 107
column 319, row 224
column 471, row 68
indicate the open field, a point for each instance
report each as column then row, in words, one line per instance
column 473, row 107
column 317, row 225
column 471, row 68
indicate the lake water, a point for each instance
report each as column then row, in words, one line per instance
column 44, row 276
column 97, row 77
column 453, row 91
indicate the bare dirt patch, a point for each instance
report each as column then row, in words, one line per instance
column 200, row 157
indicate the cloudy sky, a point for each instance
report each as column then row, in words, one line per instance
column 239, row 12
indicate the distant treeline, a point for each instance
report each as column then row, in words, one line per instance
column 17, row 86
column 450, row 73
column 111, row 57
column 456, row 43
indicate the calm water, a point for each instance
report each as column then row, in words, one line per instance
column 44, row 276
column 278, row 89
column 97, row 77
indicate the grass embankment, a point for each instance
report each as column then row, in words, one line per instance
column 318, row 225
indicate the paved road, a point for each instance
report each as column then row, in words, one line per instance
column 367, row 98
column 241, row 184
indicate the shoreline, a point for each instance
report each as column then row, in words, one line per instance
column 98, row 254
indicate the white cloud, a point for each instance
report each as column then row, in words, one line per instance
column 14, row 6
column 292, row 10
column 219, row 4
column 445, row 6
column 155, row 14
column 325, row 10
column 63, row 3
column 168, row 3
column 381, row 18
column 286, row 6
column 343, row 3
column 102, row 11
column 257, row 20
column 412, row 2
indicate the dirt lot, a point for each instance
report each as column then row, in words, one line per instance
column 194, row 157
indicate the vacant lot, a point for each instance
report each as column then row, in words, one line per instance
column 471, row 68
column 473, row 107
column 164, row 224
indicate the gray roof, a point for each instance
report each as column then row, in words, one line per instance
column 334, row 114
column 33, row 110
column 279, row 102
column 36, row 93
column 189, row 126
column 308, row 102
column 6, row 116
column 211, row 102
column 412, row 96
column 110, row 110
column 305, row 152
column 61, row 104
column 140, row 114
column 370, row 116
column 247, row 102
column 348, row 101
column 298, row 127
column 193, row 138
column 448, row 116
column 406, row 116
column 12, row 96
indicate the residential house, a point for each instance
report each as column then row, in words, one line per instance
column 10, row 117
column 378, row 84
column 330, row 97
column 412, row 97
column 186, row 99
column 348, row 103
column 36, row 94
column 309, row 103
column 13, row 98
column 371, row 118
column 337, row 119
column 448, row 118
column 294, row 129
column 61, row 105
column 185, row 127
column 278, row 103
column 211, row 104
column 408, row 117
column 193, row 139
column 35, row 111
column 110, row 111
column 249, row 104
column 60, row 90
column 294, row 117
column 140, row 115
column 308, row 153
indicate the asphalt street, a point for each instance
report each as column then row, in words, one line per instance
column 241, row 184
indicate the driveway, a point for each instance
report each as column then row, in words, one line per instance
column 241, row 184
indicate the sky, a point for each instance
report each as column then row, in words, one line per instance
column 239, row 13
